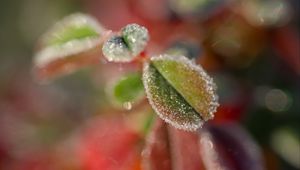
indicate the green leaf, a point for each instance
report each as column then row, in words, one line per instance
column 70, row 44
column 136, row 37
column 179, row 91
column 70, row 33
column 128, row 90
column 167, row 102
column 73, row 27
column 126, row 46
column 190, row 81
column 115, row 49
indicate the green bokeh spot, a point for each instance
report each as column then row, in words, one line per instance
column 129, row 88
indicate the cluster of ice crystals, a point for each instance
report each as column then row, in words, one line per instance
column 115, row 49
column 136, row 37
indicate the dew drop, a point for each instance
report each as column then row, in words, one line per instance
column 127, row 105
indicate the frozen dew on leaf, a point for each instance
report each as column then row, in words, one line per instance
column 180, row 91
column 115, row 49
column 136, row 37
column 69, row 44
column 167, row 103
column 128, row 45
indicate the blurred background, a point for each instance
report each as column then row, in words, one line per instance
column 250, row 47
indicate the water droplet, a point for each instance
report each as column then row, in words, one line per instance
column 127, row 105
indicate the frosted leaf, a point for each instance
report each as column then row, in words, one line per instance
column 72, row 35
column 190, row 81
column 71, row 42
column 136, row 38
column 127, row 46
column 167, row 102
column 115, row 49
column 73, row 27
column 54, row 53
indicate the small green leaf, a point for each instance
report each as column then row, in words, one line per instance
column 70, row 33
column 70, row 44
column 74, row 27
column 127, row 90
column 126, row 46
column 179, row 91
column 115, row 49
column 136, row 37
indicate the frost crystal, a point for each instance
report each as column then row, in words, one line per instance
column 136, row 38
column 115, row 49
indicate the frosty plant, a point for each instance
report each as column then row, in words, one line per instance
column 179, row 90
